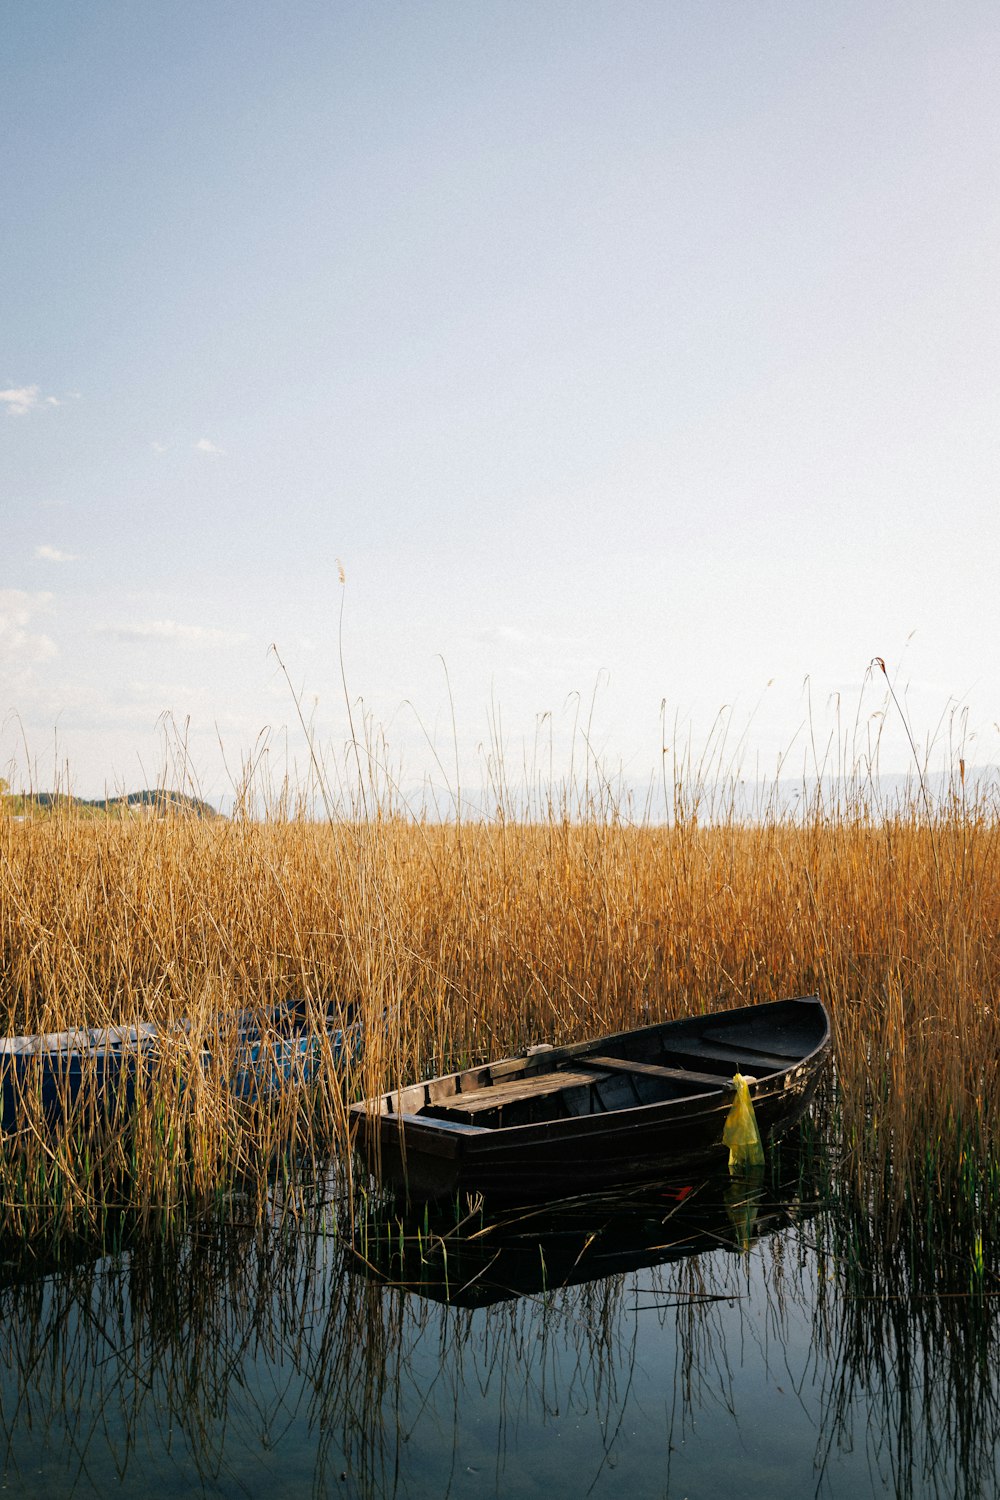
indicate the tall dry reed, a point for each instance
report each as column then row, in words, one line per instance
column 456, row 941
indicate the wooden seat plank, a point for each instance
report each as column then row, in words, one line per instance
column 432, row 1122
column 723, row 1052
column 654, row 1070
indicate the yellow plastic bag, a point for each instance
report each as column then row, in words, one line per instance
column 740, row 1131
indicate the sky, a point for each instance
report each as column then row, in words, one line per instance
column 633, row 364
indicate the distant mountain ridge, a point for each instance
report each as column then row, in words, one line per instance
column 157, row 802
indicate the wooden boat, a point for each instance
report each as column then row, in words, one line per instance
column 622, row 1108
column 53, row 1075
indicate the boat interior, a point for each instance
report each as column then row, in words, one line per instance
column 653, row 1066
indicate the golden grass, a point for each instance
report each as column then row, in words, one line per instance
column 475, row 939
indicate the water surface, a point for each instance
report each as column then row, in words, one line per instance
column 759, row 1340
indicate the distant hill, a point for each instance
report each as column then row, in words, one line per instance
column 148, row 803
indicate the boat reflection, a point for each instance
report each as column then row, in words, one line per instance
column 471, row 1254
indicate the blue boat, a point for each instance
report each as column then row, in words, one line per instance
column 50, row 1076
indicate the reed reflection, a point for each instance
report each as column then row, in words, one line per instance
column 167, row 1356
column 907, row 1327
column 644, row 1340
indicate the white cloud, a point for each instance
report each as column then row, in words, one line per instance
column 197, row 636
column 21, row 647
column 205, row 445
column 22, row 399
column 514, row 637
column 52, row 554
column 501, row 635
column 158, row 447
column 19, row 400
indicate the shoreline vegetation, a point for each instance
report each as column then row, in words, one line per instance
column 459, row 941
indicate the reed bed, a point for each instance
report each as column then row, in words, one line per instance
column 455, row 941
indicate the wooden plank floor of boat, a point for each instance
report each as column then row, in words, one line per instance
column 535, row 1087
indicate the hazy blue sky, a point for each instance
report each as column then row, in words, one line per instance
column 653, row 345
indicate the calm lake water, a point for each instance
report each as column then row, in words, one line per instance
column 732, row 1340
